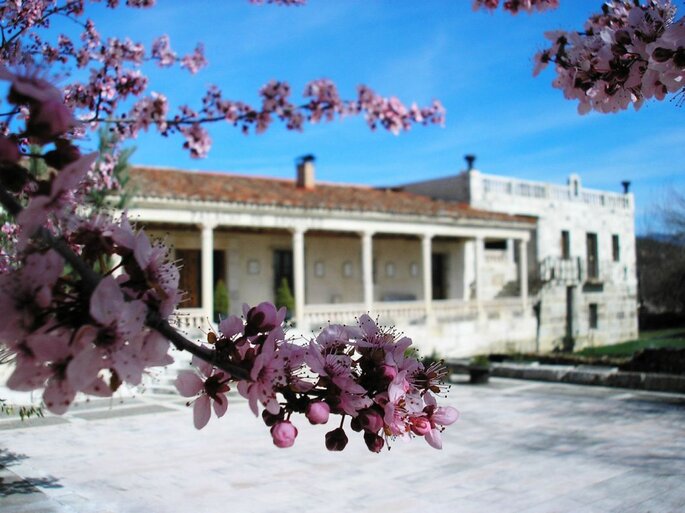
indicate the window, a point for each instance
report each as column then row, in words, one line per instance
column 500, row 245
column 615, row 248
column 592, row 260
column 565, row 245
column 282, row 268
column 593, row 316
column 439, row 275
column 190, row 279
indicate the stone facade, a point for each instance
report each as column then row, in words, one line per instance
column 582, row 255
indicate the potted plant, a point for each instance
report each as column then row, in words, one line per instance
column 479, row 369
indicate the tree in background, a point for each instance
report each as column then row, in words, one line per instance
column 661, row 268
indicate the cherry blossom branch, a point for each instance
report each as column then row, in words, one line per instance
column 91, row 279
column 630, row 52
column 206, row 354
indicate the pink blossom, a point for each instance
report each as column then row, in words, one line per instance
column 438, row 417
column 161, row 50
column 195, row 61
column 40, row 207
column 370, row 420
column 211, row 386
column 262, row 318
column 198, row 141
column 514, row 6
column 266, row 375
column 627, row 54
column 318, row 412
column 231, row 326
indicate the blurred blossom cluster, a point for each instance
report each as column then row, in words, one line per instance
column 629, row 53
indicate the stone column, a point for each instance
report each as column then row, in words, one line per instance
column 298, row 276
column 427, row 261
column 207, row 266
column 478, row 260
column 367, row 269
column 523, row 272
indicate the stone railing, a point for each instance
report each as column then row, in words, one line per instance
column 455, row 310
column 335, row 313
column 500, row 185
column 403, row 313
column 388, row 313
column 561, row 270
column 190, row 319
column 573, row 271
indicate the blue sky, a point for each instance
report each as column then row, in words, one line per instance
column 478, row 64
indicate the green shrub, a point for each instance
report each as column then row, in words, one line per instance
column 284, row 297
column 220, row 300
column 480, row 360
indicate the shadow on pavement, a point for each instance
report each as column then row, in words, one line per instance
column 12, row 484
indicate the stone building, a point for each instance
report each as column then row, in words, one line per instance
column 469, row 264
column 584, row 284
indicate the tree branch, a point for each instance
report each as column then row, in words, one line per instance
column 91, row 280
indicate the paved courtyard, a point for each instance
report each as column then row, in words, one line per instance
column 519, row 447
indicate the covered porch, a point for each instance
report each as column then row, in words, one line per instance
column 437, row 284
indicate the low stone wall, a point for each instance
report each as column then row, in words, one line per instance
column 585, row 375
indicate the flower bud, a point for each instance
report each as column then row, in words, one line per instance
column 9, row 151
column 336, row 440
column 388, row 372
column 64, row 154
column 270, row 419
column 263, row 318
column 374, row 442
column 370, row 420
column 49, row 119
column 317, row 412
column 283, row 434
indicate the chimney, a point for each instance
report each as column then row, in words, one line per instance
column 305, row 172
column 626, row 186
column 470, row 159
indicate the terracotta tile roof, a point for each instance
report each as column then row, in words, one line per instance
column 231, row 188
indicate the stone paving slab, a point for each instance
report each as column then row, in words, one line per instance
column 518, row 447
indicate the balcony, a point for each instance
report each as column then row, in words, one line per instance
column 574, row 271
column 566, row 271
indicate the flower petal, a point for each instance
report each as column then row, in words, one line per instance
column 106, row 302
column 201, row 412
column 188, row 383
column 84, row 367
column 445, row 416
column 220, row 405
column 434, row 438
